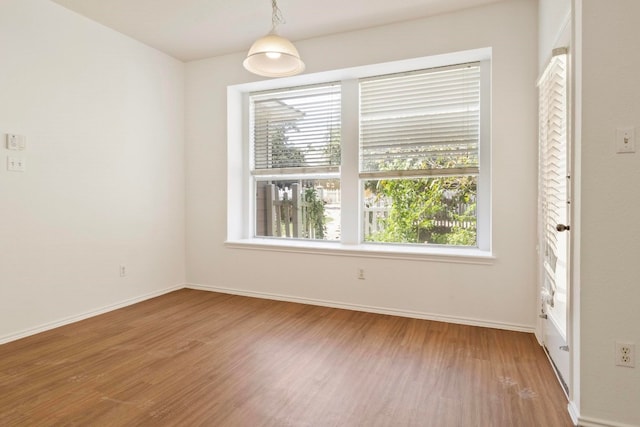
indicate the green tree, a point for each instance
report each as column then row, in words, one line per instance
column 437, row 210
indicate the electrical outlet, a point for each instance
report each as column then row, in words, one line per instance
column 361, row 274
column 16, row 142
column 123, row 270
column 625, row 354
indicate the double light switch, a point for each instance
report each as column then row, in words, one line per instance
column 16, row 143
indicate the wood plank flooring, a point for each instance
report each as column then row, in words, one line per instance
column 194, row 358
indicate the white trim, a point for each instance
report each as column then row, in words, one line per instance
column 368, row 309
column 538, row 336
column 240, row 185
column 76, row 318
column 278, row 297
column 561, row 382
column 596, row 422
column 381, row 251
column 484, row 197
column 574, row 413
column 350, row 197
column 365, row 71
column 575, row 148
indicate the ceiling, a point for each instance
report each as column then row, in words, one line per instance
column 195, row 29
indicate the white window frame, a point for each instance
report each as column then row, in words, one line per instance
column 240, row 188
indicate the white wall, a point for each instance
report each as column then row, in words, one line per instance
column 554, row 28
column 103, row 117
column 610, row 198
column 503, row 293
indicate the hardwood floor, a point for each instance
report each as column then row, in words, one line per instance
column 194, row 358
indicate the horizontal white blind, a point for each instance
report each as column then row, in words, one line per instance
column 425, row 122
column 296, row 129
column 553, row 93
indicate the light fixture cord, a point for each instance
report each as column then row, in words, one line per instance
column 276, row 16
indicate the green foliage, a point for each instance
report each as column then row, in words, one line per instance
column 423, row 209
column 285, row 155
column 314, row 219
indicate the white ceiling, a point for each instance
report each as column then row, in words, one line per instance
column 196, row 29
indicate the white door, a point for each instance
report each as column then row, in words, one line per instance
column 554, row 201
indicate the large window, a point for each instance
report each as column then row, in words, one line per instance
column 387, row 159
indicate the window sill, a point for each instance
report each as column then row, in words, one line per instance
column 402, row 252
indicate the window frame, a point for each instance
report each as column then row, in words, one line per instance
column 375, row 105
column 263, row 170
column 241, row 210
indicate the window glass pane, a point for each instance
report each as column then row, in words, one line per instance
column 427, row 120
column 298, row 209
column 296, row 128
column 431, row 210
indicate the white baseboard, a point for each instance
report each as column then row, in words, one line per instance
column 366, row 308
column 590, row 421
column 595, row 422
column 573, row 412
column 76, row 318
column 271, row 296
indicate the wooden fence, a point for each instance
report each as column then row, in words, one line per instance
column 374, row 218
column 282, row 212
column 286, row 212
column 376, row 212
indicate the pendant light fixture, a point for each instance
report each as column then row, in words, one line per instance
column 273, row 55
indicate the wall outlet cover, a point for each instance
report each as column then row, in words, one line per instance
column 16, row 142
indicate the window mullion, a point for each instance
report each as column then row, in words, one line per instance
column 349, row 181
column 483, row 207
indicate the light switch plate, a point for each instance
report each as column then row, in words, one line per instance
column 625, row 140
